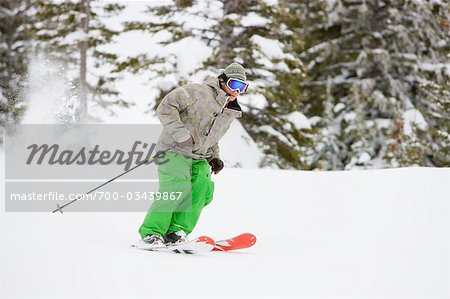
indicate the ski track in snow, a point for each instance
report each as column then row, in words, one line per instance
column 324, row 234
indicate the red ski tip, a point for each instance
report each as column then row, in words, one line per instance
column 248, row 238
column 251, row 237
column 241, row 241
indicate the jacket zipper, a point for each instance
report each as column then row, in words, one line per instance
column 214, row 120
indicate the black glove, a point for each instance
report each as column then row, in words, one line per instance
column 216, row 165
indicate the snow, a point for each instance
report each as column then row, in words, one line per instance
column 379, row 51
column 350, row 116
column 271, row 2
column 75, row 37
column 3, row 99
column 320, row 234
column 338, row 107
column 190, row 54
column 237, row 148
column 410, row 56
column 253, row 19
column 133, row 43
column 314, row 120
column 364, row 158
column 269, row 47
column 433, row 67
column 299, row 120
column 257, row 101
column 191, row 19
column 48, row 92
column 383, row 123
column 268, row 129
column 413, row 117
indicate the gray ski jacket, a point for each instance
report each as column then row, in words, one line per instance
column 199, row 111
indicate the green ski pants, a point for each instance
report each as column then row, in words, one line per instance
column 172, row 212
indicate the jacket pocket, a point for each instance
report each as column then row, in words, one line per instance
column 231, row 113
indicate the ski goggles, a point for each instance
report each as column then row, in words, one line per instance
column 236, row 84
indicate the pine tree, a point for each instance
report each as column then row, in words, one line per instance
column 273, row 113
column 72, row 33
column 256, row 34
column 366, row 61
column 429, row 144
column 14, row 36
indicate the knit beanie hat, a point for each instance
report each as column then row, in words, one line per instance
column 235, row 71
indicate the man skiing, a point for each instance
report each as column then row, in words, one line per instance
column 194, row 118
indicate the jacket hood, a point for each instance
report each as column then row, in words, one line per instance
column 214, row 83
column 222, row 96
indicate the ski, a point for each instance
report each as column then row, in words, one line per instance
column 201, row 244
column 241, row 241
column 204, row 244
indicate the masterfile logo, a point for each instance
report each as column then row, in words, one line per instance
column 49, row 166
column 54, row 155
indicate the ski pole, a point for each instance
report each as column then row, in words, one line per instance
column 59, row 208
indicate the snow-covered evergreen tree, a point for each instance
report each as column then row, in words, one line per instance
column 427, row 141
column 257, row 34
column 14, row 36
column 73, row 33
column 367, row 61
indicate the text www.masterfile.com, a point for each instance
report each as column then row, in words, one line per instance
column 97, row 195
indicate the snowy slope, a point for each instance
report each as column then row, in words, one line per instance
column 379, row 233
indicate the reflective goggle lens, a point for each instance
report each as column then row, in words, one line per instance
column 239, row 85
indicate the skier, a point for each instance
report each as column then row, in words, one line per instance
column 194, row 117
